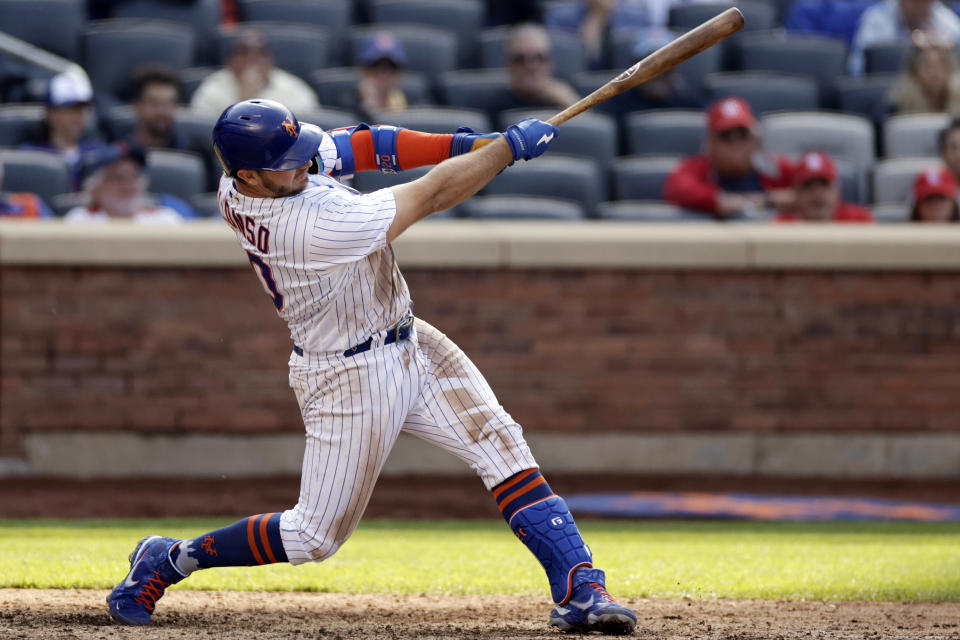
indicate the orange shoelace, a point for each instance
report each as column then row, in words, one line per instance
column 151, row 591
column 602, row 591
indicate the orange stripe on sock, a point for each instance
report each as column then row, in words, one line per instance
column 507, row 485
column 519, row 492
column 264, row 539
column 252, row 541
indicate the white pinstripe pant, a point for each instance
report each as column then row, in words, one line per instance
column 355, row 407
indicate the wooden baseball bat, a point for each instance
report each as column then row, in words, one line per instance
column 663, row 59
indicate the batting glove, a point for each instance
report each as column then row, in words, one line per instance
column 529, row 138
column 466, row 140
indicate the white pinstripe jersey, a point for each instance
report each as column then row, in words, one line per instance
column 322, row 256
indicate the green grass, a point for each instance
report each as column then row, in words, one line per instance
column 821, row 561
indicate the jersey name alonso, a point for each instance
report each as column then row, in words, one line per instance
column 323, row 258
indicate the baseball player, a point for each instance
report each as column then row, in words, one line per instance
column 363, row 367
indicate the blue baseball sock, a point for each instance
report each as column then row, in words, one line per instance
column 541, row 520
column 251, row 541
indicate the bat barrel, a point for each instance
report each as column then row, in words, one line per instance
column 663, row 59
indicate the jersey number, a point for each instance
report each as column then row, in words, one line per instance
column 266, row 276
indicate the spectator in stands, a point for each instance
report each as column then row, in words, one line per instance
column 930, row 83
column 250, row 73
column 892, row 20
column 817, row 194
column 21, row 205
column 116, row 188
column 594, row 21
column 64, row 129
column 948, row 143
column 530, row 67
column 156, row 99
column 382, row 60
column 935, row 197
column 733, row 177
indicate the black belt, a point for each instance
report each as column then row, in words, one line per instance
column 398, row 332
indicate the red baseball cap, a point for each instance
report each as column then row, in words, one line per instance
column 814, row 165
column 729, row 113
column 936, row 181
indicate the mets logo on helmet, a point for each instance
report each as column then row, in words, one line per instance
column 289, row 126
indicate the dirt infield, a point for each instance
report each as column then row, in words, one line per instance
column 81, row 615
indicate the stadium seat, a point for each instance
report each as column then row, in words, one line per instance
column 563, row 177
column 118, row 121
column 439, row 119
column 521, row 208
column 369, row 181
column 205, row 204
column 39, row 172
column 648, row 211
column 332, row 118
column 112, row 49
column 202, row 15
column 53, row 25
column 764, row 92
column 641, row 178
column 867, row 96
column 461, row 17
column 591, row 135
column 179, row 173
column 17, row 121
column 566, row 49
column 334, row 16
column 853, row 181
column 63, row 202
column 190, row 79
column 473, row 88
column 758, row 16
column 336, row 87
column 665, row 132
column 886, row 57
column 891, row 213
column 429, row 50
column 893, row 179
column 913, row 135
column 693, row 70
column 818, row 57
column 843, row 136
column 297, row 48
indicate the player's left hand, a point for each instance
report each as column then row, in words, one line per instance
column 529, row 138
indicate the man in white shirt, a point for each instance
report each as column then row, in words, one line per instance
column 116, row 188
column 250, row 73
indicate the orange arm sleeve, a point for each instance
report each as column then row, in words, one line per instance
column 414, row 149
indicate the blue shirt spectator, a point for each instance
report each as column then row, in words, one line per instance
column 893, row 20
column 835, row 18
column 64, row 130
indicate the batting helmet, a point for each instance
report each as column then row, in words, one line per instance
column 264, row 135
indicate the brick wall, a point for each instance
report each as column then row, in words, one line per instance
column 188, row 350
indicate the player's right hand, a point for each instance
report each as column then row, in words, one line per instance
column 529, row 138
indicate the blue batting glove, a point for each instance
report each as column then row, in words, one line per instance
column 466, row 140
column 529, row 138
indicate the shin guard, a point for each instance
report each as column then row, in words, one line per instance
column 542, row 521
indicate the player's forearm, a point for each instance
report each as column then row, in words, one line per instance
column 454, row 180
column 447, row 185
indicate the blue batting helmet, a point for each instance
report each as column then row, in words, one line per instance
column 264, row 135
